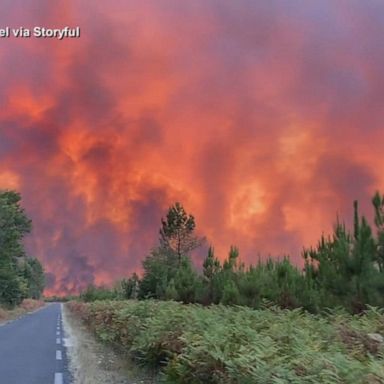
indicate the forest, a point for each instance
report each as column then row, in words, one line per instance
column 345, row 269
column 21, row 277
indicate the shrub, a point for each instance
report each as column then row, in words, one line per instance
column 239, row 345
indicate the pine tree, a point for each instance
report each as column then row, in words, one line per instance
column 171, row 291
column 32, row 272
column 186, row 281
column 231, row 295
column 211, row 265
column 362, row 264
column 159, row 267
column 177, row 232
column 128, row 288
column 378, row 204
column 14, row 224
column 211, row 269
column 343, row 265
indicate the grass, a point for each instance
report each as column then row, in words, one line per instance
column 219, row 344
column 27, row 305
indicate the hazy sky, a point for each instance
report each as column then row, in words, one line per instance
column 264, row 118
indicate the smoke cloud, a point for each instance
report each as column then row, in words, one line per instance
column 263, row 118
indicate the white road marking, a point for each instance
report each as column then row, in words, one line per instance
column 58, row 378
column 57, row 333
column 59, row 355
column 67, row 342
column 58, row 340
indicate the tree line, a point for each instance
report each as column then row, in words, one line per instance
column 345, row 269
column 20, row 276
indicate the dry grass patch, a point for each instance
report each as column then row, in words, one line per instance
column 26, row 306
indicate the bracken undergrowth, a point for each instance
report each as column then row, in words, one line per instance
column 222, row 344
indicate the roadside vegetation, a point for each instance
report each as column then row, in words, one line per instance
column 21, row 277
column 266, row 323
column 26, row 306
column 231, row 344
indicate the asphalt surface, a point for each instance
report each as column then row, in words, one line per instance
column 32, row 349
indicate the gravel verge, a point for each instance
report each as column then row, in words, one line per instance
column 91, row 362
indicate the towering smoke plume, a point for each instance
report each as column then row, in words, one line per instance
column 263, row 118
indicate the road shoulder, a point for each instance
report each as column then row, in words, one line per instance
column 91, row 362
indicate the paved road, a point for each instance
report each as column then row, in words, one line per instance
column 32, row 350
